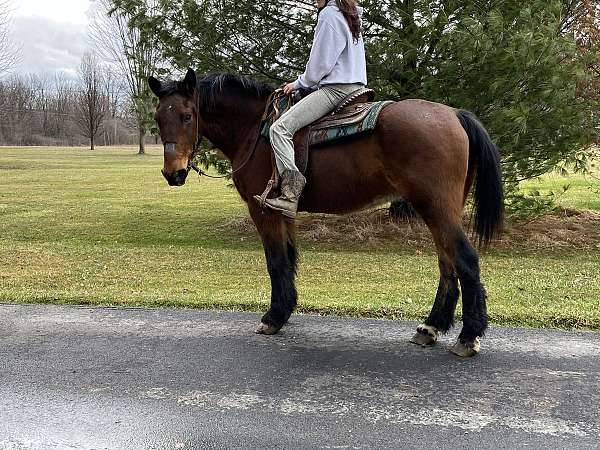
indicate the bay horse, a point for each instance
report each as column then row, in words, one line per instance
column 426, row 153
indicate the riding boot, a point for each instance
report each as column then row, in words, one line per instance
column 292, row 184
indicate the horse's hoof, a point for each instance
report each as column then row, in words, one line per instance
column 266, row 328
column 426, row 335
column 466, row 349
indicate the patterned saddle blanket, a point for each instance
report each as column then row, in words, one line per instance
column 354, row 116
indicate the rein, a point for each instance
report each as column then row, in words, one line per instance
column 196, row 148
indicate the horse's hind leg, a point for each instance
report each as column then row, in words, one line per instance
column 441, row 317
column 277, row 237
column 458, row 261
column 475, row 316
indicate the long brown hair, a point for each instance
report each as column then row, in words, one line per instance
column 350, row 12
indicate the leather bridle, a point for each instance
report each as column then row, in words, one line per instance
column 196, row 147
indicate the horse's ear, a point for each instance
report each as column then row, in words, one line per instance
column 154, row 85
column 189, row 82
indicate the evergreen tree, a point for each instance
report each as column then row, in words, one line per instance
column 516, row 64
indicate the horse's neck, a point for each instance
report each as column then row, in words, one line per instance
column 234, row 134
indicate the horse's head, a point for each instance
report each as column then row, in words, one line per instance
column 179, row 123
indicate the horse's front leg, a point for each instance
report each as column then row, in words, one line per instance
column 277, row 236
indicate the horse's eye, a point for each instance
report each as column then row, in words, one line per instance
column 187, row 118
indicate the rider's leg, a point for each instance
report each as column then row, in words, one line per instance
column 306, row 111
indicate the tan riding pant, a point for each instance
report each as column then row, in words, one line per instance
column 306, row 111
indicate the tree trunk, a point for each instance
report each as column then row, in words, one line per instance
column 141, row 142
column 92, row 143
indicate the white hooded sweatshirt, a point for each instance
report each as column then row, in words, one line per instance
column 335, row 57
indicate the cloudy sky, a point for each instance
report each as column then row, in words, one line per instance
column 52, row 34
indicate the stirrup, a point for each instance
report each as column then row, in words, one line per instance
column 261, row 199
column 273, row 181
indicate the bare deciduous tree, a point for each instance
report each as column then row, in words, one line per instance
column 63, row 105
column 9, row 51
column 91, row 105
column 136, row 58
column 112, row 89
column 41, row 110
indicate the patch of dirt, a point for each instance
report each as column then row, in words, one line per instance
column 566, row 229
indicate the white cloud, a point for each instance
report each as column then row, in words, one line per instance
column 70, row 11
column 53, row 34
column 49, row 46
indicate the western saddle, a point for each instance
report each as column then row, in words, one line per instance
column 355, row 115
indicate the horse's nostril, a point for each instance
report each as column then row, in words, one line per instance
column 180, row 177
column 175, row 178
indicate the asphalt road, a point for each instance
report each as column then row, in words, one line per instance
column 96, row 378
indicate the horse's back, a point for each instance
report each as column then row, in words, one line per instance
column 416, row 145
column 423, row 140
column 423, row 122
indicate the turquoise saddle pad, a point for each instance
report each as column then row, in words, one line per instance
column 321, row 133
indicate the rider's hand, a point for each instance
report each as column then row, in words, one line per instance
column 289, row 88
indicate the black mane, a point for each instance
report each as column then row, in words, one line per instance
column 211, row 87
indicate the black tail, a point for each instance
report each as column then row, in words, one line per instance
column 484, row 157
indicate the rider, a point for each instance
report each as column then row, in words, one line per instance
column 336, row 68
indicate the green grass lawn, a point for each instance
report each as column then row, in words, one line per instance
column 103, row 227
column 583, row 190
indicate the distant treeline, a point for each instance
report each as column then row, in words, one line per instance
column 37, row 110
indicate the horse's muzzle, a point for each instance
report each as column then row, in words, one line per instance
column 175, row 178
